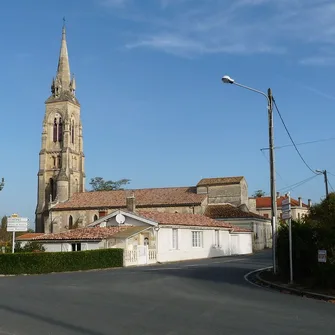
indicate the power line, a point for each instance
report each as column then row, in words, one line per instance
column 291, row 187
column 331, row 185
column 277, row 173
column 302, row 143
column 289, row 135
column 332, row 174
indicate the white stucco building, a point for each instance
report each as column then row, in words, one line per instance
column 150, row 237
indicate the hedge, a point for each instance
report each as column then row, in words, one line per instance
column 46, row 262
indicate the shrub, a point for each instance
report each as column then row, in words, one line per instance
column 46, row 262
column 307, row 239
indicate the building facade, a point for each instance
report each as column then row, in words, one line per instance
column 262, row 206
column 61, row 158
column 84, row 208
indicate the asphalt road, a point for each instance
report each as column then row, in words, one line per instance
column 200, row 297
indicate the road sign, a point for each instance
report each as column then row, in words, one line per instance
column 17, row 224
column 286, row 201
column 286, row 215
column 322, row 256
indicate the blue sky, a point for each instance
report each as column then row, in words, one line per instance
column 154, row 109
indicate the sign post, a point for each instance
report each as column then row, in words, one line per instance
column 14, row 224
column 286, row 215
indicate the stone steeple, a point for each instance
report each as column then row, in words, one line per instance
column 63, row 86
column 61, row 168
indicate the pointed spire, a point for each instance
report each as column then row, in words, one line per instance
column 63, row 77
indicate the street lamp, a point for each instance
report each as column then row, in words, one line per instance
column 2, row 184
column 229, row 80
column 324, row 172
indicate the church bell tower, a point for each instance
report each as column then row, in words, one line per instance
column 61, row 159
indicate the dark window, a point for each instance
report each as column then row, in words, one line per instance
column 266, row 215
column 52, row 189
column 60, row 130
column 55, row 131
column 76, row 246
column 70, row 222
column 59, row 161
column 54, row 159
column 95, row 217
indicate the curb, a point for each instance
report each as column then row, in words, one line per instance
column 285, row 289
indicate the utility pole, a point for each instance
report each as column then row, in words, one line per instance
column 272, row 182
column 2, row 184
column 324, row 172
column 326, row 182
column 269, row 98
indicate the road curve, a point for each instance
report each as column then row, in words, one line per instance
column 198, row 297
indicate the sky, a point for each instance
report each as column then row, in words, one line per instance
column 153, row 106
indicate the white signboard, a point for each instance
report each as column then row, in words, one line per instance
column 286, row 208
column 322, row 256
column 17, row 224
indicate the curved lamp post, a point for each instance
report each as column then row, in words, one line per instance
column 228, row 80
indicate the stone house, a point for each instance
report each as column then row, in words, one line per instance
column 85, row 207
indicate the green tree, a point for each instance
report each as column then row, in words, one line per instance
column 259, row 194
column 99, row 184
column 4, row 235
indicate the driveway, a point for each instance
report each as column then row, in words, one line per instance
column 198, row 297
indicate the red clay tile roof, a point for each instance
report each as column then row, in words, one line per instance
column 144, row 197
column 220, row 181
column 182, row 219
column 229, row 211
column 265, row 202
column 94, row 233
column 28, row 236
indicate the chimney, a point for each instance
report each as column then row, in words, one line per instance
column 278, row 195
column 300, row 202
column 130, row 202
column 309, row 203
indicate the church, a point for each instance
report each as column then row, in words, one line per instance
column 64, row 205
column 61, row 158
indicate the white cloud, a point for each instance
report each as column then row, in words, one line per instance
column 318, row 61
column 195, row 27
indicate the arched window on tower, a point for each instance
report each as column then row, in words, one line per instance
column 52, row 189
column 59, row 161
column 72, row 132
column 95, row 218
column 70, row 222
column 60, row 130
column 55, row 131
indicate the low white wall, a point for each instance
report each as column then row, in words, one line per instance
column 185, row 250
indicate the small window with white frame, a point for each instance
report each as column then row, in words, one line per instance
column 217, row 238
column 197, row 239
column 174, row 238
